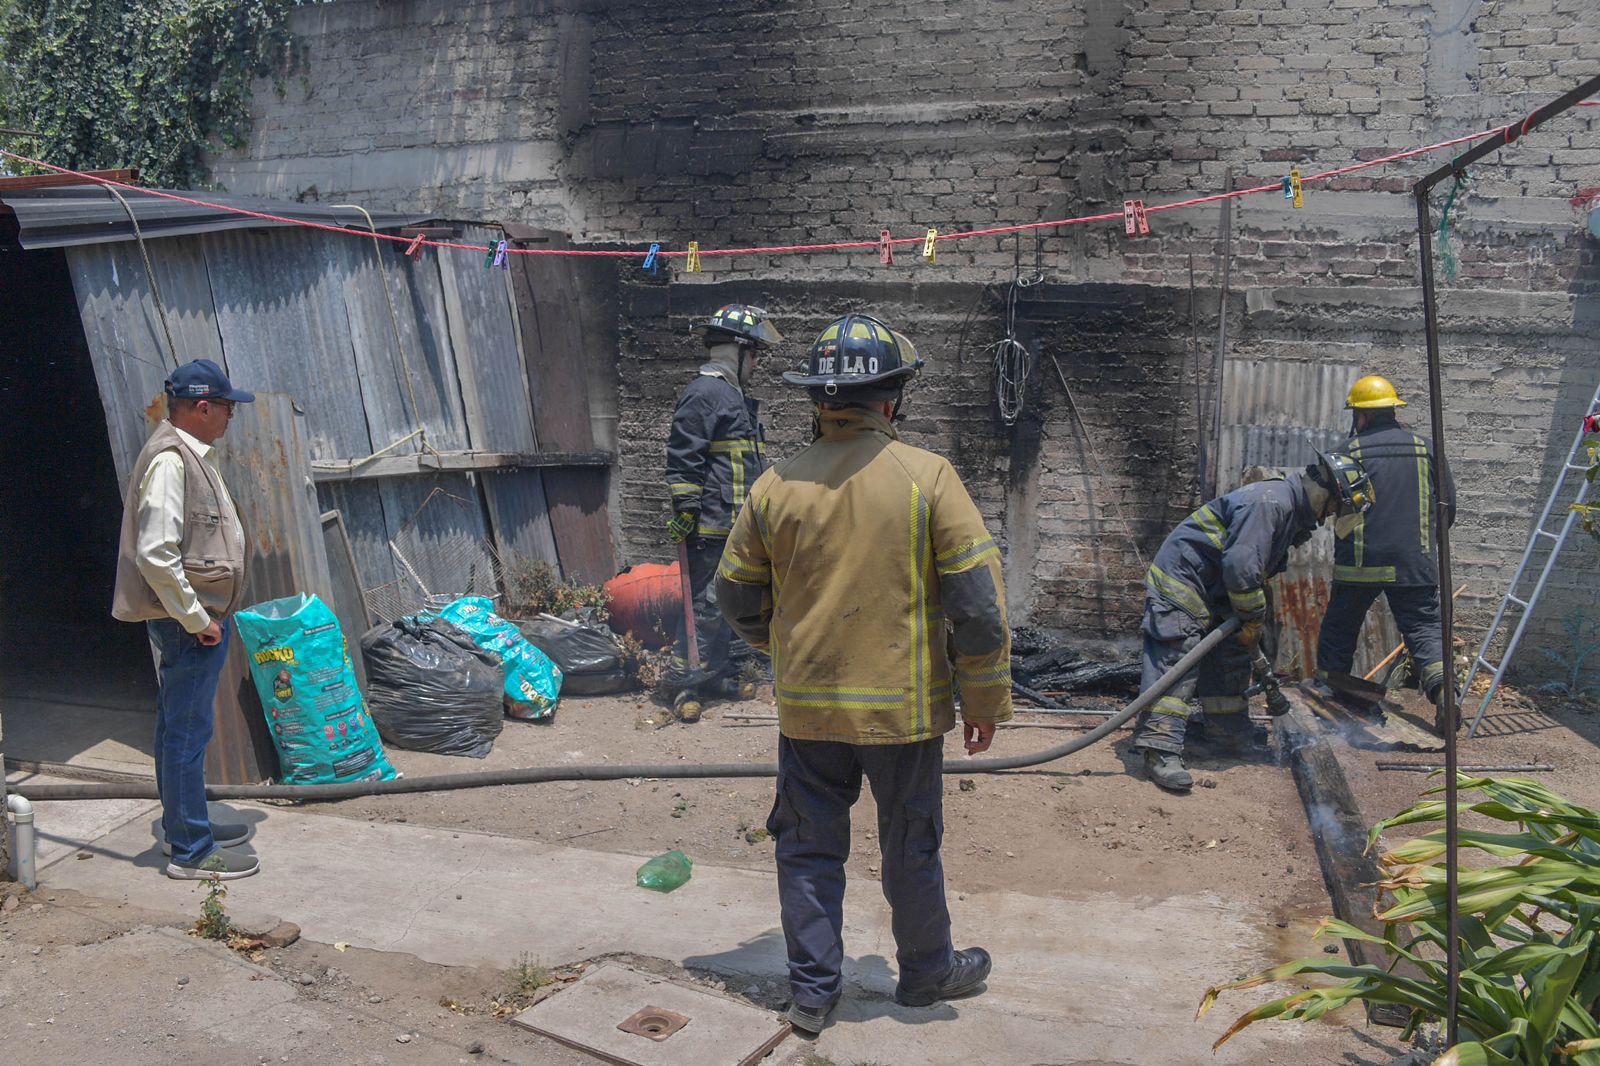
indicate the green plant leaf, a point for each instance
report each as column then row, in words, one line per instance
column 1474, row 1054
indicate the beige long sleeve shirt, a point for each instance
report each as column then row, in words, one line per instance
column 161, row 517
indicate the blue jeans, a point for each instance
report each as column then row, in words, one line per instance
column 818, row 782
column 185, row 713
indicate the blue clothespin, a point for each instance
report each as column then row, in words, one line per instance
column 650, row 261
column 500, row 257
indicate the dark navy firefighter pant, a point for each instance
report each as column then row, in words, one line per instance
column 185, row 714
column 1416, row 614
column 714, row 638
column 1219, row 682
column 818, row 782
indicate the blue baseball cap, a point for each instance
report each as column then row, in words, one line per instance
column 204, row 380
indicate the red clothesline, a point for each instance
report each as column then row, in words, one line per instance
column 413, row 243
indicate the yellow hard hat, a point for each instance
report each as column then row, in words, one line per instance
column 1373, row 391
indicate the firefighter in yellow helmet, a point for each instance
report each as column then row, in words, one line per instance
column 863, row 568
column 1391, row 551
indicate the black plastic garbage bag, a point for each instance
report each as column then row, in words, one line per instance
column 587, row 651
column 430, row 688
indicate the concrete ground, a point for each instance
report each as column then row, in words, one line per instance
column 1092, row 979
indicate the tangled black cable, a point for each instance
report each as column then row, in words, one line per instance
column 1013, row 362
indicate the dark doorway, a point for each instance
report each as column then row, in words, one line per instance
column 73, row 681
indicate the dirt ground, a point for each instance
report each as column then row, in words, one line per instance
column 1084, row 825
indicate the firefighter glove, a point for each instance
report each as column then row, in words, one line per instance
column 1250, row 633
column 682, row 525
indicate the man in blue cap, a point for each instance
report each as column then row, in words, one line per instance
column 181, row 571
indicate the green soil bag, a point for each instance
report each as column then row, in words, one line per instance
column 301, row 667
column 533, row 682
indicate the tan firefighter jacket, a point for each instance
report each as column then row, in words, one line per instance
column 862, row 567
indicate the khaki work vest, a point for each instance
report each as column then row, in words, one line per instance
column 211, row 552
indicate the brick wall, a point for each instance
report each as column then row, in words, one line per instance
column 780, row 122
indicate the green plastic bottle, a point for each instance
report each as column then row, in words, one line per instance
column 664, row 872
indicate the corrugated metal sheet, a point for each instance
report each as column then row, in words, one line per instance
column 281, row 312
column 385, row 387
column 305, row 313
column 265, row 466
column 519, row 514
column 550, row 303
column 494, row 381
column 121, row 324
column 495, row 391
column 88, row 214
column 1279, row 413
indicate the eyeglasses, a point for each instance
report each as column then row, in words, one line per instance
column 226, row 405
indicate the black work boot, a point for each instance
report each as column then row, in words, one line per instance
column 1444, row 718
column 965, row 976
column 1166, row 770
column 1233, row 743
column 809, row 1021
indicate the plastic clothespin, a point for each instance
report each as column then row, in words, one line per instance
column 1134, row 221
column 885, row 249
column 488, row 259
column 930, row 246
column 651, row 262
column 692, row 265
column 1296, row 189
column 415, row 246
column 501, row 259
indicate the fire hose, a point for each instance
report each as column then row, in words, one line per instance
column 541, row 774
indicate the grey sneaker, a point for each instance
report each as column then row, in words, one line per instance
column 226, row 836
column 223, row 864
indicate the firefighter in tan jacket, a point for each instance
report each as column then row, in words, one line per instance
column 863, row 569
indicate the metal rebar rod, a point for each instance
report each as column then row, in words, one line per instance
column 1509, row 768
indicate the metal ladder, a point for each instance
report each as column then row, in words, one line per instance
column 1568, row 468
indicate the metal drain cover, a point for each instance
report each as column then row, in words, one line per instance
column 585, row 1014
column 656, row 1023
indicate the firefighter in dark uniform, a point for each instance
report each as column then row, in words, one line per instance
column 1391, row 552
column 1216, row 565
column 716, row 450
column 863, row 568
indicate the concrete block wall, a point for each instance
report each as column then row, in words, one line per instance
column 777, row 122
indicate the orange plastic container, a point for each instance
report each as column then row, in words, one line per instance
column 647, row 603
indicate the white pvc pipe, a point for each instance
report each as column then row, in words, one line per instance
column 22, row 813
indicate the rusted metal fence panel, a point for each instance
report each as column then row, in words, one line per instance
column 1278, row 413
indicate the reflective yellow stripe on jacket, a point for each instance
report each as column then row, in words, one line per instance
column 1185, row 596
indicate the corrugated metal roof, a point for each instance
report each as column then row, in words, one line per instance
column 59, row 218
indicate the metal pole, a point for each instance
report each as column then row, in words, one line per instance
column 1420, row 190
column 1505, row 136
column 1441, row 526
column 1210, row 479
